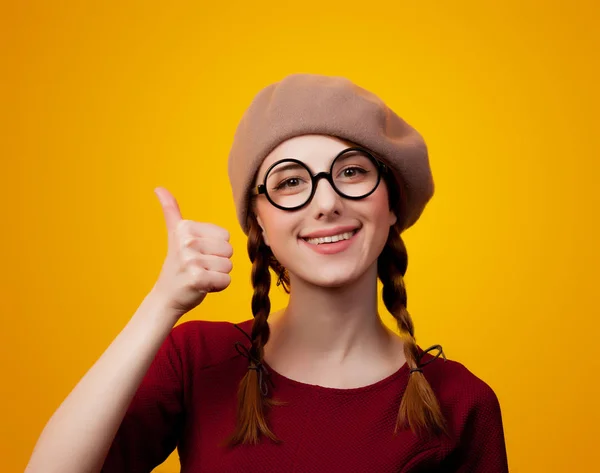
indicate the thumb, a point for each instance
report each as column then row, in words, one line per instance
column 169, row 206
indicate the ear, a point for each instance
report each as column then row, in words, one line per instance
column 393, row 219
column 264, row 233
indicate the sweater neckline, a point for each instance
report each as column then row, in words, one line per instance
column 399, row 375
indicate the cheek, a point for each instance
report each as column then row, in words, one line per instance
column 277, row 224
column 380, row 210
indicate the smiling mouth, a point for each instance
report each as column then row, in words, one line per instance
column 331, row 239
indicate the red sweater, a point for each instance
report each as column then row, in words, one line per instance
column 187, row 401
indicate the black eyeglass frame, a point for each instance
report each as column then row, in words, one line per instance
column 262, row 188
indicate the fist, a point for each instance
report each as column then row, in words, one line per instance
column 198, row 258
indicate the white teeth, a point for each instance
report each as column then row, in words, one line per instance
column 331, row 239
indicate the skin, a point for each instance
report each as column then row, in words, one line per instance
column 79, row 434
column 330, row 333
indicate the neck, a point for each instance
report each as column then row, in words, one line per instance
column 331, row 323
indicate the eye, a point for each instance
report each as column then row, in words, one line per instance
column 289, row 183
column 353, row 171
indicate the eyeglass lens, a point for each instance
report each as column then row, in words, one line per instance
column 354, row 174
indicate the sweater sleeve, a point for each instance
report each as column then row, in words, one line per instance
column 481, row 447
column 152, row 424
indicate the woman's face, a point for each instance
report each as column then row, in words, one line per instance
column 293, row 236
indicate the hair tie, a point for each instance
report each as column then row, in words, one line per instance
column 280, row 278
column 420, row 365
column 254, row 364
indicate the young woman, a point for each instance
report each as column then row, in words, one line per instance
column 325, row 178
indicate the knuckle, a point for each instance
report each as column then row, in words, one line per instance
column 192, row 262
column 182, row 230
column 187, row 259
column 187, row 241
column 182, row 226
column 196, row 273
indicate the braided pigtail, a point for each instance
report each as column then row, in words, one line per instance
column 282, row 274
column 419, row 407
column 253, row 400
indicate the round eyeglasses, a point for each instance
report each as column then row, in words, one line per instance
column 289, row 184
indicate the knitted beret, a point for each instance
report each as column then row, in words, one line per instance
column 302, row 104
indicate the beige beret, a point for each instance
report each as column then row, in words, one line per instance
column 303, row 104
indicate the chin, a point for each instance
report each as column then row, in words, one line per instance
column 331, row 279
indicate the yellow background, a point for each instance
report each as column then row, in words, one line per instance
column 101, row 103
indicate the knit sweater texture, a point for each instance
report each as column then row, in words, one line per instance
column 188, row 398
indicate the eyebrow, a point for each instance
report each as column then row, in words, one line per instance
column 285, row 167
column 292, row 166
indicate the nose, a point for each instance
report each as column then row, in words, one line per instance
column 326, row 202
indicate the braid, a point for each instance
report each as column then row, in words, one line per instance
column 419, row 407
column 278, row 268
column 252, row 404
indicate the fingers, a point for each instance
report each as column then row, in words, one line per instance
column 194, row 259
column 170, row 208
column 212, row 281
column 202, row 229
column 175, row 221
column 216, row 264
column 208, row 246
column 198, row 257
column 208, row 274
column 220, row 281
column 207, row 254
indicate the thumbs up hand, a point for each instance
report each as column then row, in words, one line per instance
column 197, row 262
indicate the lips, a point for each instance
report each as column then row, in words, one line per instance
column 331, row 239
column 330, row 232
column 326, row 245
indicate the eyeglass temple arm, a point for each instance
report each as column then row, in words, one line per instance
column 260, row 189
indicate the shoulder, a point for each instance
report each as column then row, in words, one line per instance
column 473, row 417
column 458, row 389
column 208, row 343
